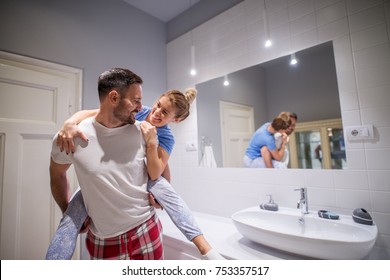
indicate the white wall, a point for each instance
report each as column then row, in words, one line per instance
column 233, row 40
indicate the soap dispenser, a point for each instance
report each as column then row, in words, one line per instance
column 270, row 205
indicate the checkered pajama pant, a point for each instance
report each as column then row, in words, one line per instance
column 141, row 243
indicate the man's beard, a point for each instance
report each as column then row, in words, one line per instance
column 124, row 118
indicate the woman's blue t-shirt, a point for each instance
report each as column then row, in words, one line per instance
column 164, row 134
column 262, row 137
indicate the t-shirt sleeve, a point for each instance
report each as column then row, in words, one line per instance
column 56, row 154
column 270, row 142
column 166, row 139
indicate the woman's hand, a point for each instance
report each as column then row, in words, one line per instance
column 285, row 138
column 66, row 135
column 149, row 133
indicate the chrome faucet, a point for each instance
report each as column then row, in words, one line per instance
column 302, row 202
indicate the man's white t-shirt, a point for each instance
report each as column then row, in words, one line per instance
column 112, row 174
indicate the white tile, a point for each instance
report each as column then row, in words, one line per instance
column 349, row 179
column 378, row 159
column 253, row 11
column 305, row 40
column 320, row 4
column 382, row 138
column 333, row 30
column 380, row 201
column 372, row 56
column 375, row 96
column 302, row 8
column 331, row 13
column 275, row 5
column 319, row 178
column 378, row 116
column 351, row 118
column 256, row 27
column 356, row 160
column 280, row 33
column 366, row 18
column 369, row 37
column 353, row 199
column 343, row 56
column 232, row 27
column 349, row 99
column 278, row 18
column 303, row 24
column 379, row 180
column 371, row 77
column 320, row 198
column 353, row 146
column 359, row 5
column 382, row 220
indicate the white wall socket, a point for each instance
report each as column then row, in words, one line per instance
column 360, row 132
column 191, row 146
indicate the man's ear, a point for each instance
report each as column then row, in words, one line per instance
column 114, row 97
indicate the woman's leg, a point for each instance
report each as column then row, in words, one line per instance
column 175, row 206
column 180, row 214
column 63, row 244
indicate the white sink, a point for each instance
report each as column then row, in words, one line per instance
column 316, row 237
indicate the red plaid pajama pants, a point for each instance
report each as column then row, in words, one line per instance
column 141, row 243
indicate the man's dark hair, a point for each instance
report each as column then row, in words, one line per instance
column 118, row 79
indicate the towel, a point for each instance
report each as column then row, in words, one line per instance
column 208, row 159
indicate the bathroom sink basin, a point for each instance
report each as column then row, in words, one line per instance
column 313, row 237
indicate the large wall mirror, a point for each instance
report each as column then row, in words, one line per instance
column 229, row 114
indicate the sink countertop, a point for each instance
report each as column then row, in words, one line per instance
column 223, row 236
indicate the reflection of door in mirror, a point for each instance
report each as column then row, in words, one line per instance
column 237, row 127
column 318, row 145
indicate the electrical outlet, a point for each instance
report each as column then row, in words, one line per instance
column 191, row 146
column 362, row 132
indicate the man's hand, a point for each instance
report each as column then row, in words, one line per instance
column 66, row 136
column 85, row 226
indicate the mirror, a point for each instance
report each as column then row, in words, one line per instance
column 257, row 94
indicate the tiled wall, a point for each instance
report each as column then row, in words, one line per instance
column 360, row 31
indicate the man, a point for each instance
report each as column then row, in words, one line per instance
column 283, row 163
column 111, row 170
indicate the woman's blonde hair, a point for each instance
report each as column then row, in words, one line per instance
column 181, row 101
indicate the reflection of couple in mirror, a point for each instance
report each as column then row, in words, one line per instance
column 268, row 145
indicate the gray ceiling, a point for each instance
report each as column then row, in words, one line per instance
column 164, row 10
column 175, row 13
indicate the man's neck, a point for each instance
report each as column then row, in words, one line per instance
column 108, row 120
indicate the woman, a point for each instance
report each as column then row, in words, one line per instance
column 262, row 151
column 172, row 106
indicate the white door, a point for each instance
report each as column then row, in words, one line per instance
column 35, row 98
column 237, row 128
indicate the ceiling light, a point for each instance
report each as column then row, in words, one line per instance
column 268, row 41
column 293, row 60
column 193, row 69
column 226, row 81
